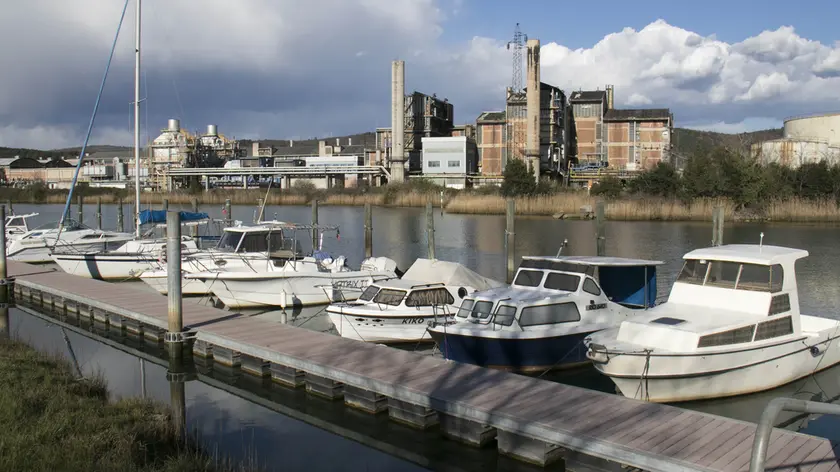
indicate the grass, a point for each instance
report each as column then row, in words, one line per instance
column 49, row 420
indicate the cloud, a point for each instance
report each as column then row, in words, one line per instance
column 276, row 69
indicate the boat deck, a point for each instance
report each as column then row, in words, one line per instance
column 648, row 436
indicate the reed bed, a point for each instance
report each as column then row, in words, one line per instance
column 803, row 211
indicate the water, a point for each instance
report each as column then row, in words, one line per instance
column 477, row 242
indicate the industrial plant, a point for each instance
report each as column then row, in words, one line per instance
column 572, row 138
column 806, row 139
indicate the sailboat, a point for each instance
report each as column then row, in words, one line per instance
column 138, row 254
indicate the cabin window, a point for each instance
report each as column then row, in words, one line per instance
column 261, row 242
column 529, row 278
column 368, row 294
column 557, row 265
column 589, row 286
column 482, row 310
column 734, row 275
column 465, row 309
column 774, row 328
column 733, row 336
column 389, row 296
column 549, row 314
column 779, row 304
column 761, row 278
column 722, row 274
column 429, row 297
column 229, row 240
column 504, row 315
column 564, row 282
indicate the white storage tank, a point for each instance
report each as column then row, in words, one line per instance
column 212, row 130
column 174, row 125
column 825, row 127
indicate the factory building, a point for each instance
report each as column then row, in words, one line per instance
column 449, row 161
column 806, row 139
column 491, row 140
column 627, row 139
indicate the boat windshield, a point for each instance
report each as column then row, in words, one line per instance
column 389, row 296
column 505, row 315
column 229, row 241
column 733, row 275
column 69, row 225
column 528, row 278
column 369, row 292
column 465, row 308
column 252, row 242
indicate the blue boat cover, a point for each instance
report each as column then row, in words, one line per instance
column 627, row 285
column 159, row 216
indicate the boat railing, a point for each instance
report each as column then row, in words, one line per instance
column 768, row 419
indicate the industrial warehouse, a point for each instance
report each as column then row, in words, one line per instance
column 572, row 138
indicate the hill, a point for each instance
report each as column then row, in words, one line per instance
column 6, row 152
column 688, row 141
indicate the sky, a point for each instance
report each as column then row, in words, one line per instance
column 294, row 69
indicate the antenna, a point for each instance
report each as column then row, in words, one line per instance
column 761, row 240
column 516, row 113
column 560, row 251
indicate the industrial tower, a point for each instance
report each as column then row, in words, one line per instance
column 516, row 112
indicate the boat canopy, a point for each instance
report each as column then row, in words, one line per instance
column 159, row 216
column 447, row 273
column 629, row 282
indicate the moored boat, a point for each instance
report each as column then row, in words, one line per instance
column 731, row 326
column 540, row 320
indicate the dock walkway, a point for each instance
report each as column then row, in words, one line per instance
column 531, row 419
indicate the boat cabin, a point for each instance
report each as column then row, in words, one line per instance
column 399, row 293
column 259, row 239
column 548, row 291
column 17, row 224
column 724, row 295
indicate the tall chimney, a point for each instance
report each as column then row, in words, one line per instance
column 532, row 95
column 609, row 97
column 398, row 121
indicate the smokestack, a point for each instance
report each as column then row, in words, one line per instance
column 255, row 148
column 532, row 95
column 609, row 97
column 398, row 121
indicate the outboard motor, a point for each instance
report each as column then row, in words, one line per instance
column 380, row 264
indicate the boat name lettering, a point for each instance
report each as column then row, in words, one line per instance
column 596, row 306
column 351, row 283
column 413, row 321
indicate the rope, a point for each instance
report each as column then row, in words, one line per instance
column 643, row 380
column 90, row 125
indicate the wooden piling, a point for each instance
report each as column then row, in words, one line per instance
column 228, row 216
column 600, row 231
column 99, row 213
column 81, row 212
column 11, row 209
column 120, row 216
column 194, row 229
column 509, row 238
column 430, row 229
column 368, row 230
column 717, row 226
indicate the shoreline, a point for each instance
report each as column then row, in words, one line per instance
column 564, row 205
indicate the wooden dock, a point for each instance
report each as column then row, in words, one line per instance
column 531, row 419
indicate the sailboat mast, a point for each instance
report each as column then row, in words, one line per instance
column 137, row 120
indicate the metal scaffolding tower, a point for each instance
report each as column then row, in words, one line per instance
column 516, row 114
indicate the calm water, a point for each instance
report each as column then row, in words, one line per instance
column 477, row 242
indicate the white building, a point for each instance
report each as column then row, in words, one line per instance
column 449, row 160
column 806, row 139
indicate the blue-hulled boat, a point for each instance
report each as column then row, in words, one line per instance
column 539, row 321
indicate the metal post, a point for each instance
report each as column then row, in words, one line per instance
column 314, row 223
column 165, row 207
column 120, row 217
column 430, row 229
column 4, row 288
column 99, row 213
column 178, row 403
column 368, row 230
column 509, row 238
column 81, row 209
column 768, row 419
column 11, row 208
column 717, row 226
column 600, row 233
column 4, row 321
column 173, row 282
column 228, row 217
column 194, row 229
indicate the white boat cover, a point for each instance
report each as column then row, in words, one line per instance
column 448, row 273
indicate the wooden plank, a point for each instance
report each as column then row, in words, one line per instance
column 828, row 461
column 777, row 458
column 718, row 442
column 664, row 429
column 798, row 459
column 745, row 435
column 692, row 436
column 640, row 428
column 777, row 439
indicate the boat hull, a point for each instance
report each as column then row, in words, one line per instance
column 513, row 354
column 384, row 327
column 259, row 290
column 107, row 266
column 157, row 279
column 38, row 252
column 678, row 378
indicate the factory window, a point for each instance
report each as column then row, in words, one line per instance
column 434, row 163
column 453, row 164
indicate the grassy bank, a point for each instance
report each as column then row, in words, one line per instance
column 49, row 420
column 567, row 204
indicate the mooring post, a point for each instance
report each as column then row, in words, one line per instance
column 99, row 212
column 717, row 226
column 600, row 233
column 81, row 209
column 178, row 402
column 4, row 282
column 509, row 238
column 228, row 217
column 11, row 208
column 120, row 217
column 368, row 230
column 430, row 229
column 194, row 229
column 314, row 225
column 174, row 337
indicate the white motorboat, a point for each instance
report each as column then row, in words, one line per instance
column 539, row 322
column 398, row 310
column 36, row 245
column 288, row 282
column 731, row 326
column 253, row 247
column 17, row 225
column 132, row 258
